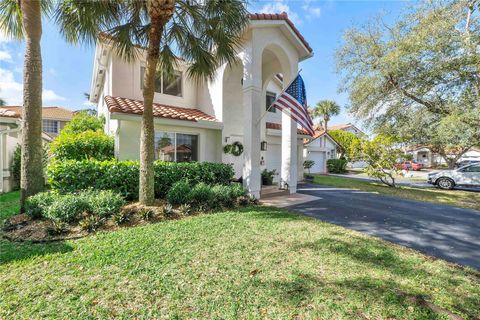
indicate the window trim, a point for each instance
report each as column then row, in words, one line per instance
column 175, row 142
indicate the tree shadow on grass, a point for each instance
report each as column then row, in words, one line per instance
column 372, row 254
column 18, row 251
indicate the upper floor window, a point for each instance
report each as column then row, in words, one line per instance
column 166, row 85
column 271, row 96
column 50, row 126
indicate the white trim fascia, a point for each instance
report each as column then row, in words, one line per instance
column 323, row 134
column 173, row 122
column 270, row 23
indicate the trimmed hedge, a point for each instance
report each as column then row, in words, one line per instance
column 85, row 145
column 122, row 176
column 337, row 165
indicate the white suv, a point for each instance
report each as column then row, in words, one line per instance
column 465, row 176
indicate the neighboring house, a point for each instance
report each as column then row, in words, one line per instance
column 53, row 120
column 321, row 148
column 425, row 156
column 346, row 127
column 195, row 120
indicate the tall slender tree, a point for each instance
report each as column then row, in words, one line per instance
column 325, row 109
column 22, row 19
column 203, row 33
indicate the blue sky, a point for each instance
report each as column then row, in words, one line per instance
column 67, row 69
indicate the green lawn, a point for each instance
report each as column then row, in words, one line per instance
column 245, row 264
column 465, row 199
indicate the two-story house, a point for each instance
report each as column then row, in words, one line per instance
column 53, row 120
column 194, row 121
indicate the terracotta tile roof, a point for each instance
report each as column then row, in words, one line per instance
column 124, row 105
column 281, row 16
column 4, row 112
column 278, row 126
column 54, row 113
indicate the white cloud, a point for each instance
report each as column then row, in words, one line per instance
column 5, row 56
column 50, row 95
column 279, row 6
column 12, row 91
column 311, row 11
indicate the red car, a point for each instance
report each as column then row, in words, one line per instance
column 410, row 165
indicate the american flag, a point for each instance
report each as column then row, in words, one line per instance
column 293, row 101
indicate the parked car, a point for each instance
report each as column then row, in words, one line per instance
column 468, row 176
column 464, row 163
column 410, row 165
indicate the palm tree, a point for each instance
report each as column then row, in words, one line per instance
column 325, row 109
column 23, row 20
column 203, row 33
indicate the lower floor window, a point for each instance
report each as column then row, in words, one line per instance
column 176, row 147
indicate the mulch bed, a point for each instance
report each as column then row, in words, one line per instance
column 23, row 228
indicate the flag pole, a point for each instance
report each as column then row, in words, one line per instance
column 285, row 88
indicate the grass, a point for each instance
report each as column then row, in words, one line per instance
column 252, row 263
column 459, row 198
column 9, row 204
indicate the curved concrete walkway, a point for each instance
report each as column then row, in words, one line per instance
column 441, row 231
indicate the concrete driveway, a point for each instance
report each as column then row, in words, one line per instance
column 441, row 231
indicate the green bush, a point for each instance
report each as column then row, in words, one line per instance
column 238, row 190
column 201, row 196
column 84, row 122
column 179, row 193
column 337, row 165
column 122, row 176
column 104, row 203
column 67, row 208
column 37, row 205
column 84, row 145
column 225, row 196
column 267, row 177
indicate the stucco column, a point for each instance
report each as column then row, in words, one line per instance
column 251, row 166
column 289, row 152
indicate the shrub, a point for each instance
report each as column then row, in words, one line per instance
column 201, row 196
column 122, row 176
column 238, row 190
column 223, row 196
column 179, row 193
column 267, row 177
column 104, row 203
column 337, row 165
column 84, row 122
column 121, row 217
column 185, row 209
column 91, row 223
column 67, row 208
column 84, row 145
column 147, row 214
column 168, row 210
column 37, row 205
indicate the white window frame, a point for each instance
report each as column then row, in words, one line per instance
column 161, row 82
column 175, row 142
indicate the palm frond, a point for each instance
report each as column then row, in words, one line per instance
column 11, row 17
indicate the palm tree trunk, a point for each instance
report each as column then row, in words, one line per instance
column 325, row 121
column 32, row 179
column 160, row 12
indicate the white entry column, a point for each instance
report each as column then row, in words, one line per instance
column 289, row 144
column 252, row 102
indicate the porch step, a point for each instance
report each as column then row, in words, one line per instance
column 272, row 191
